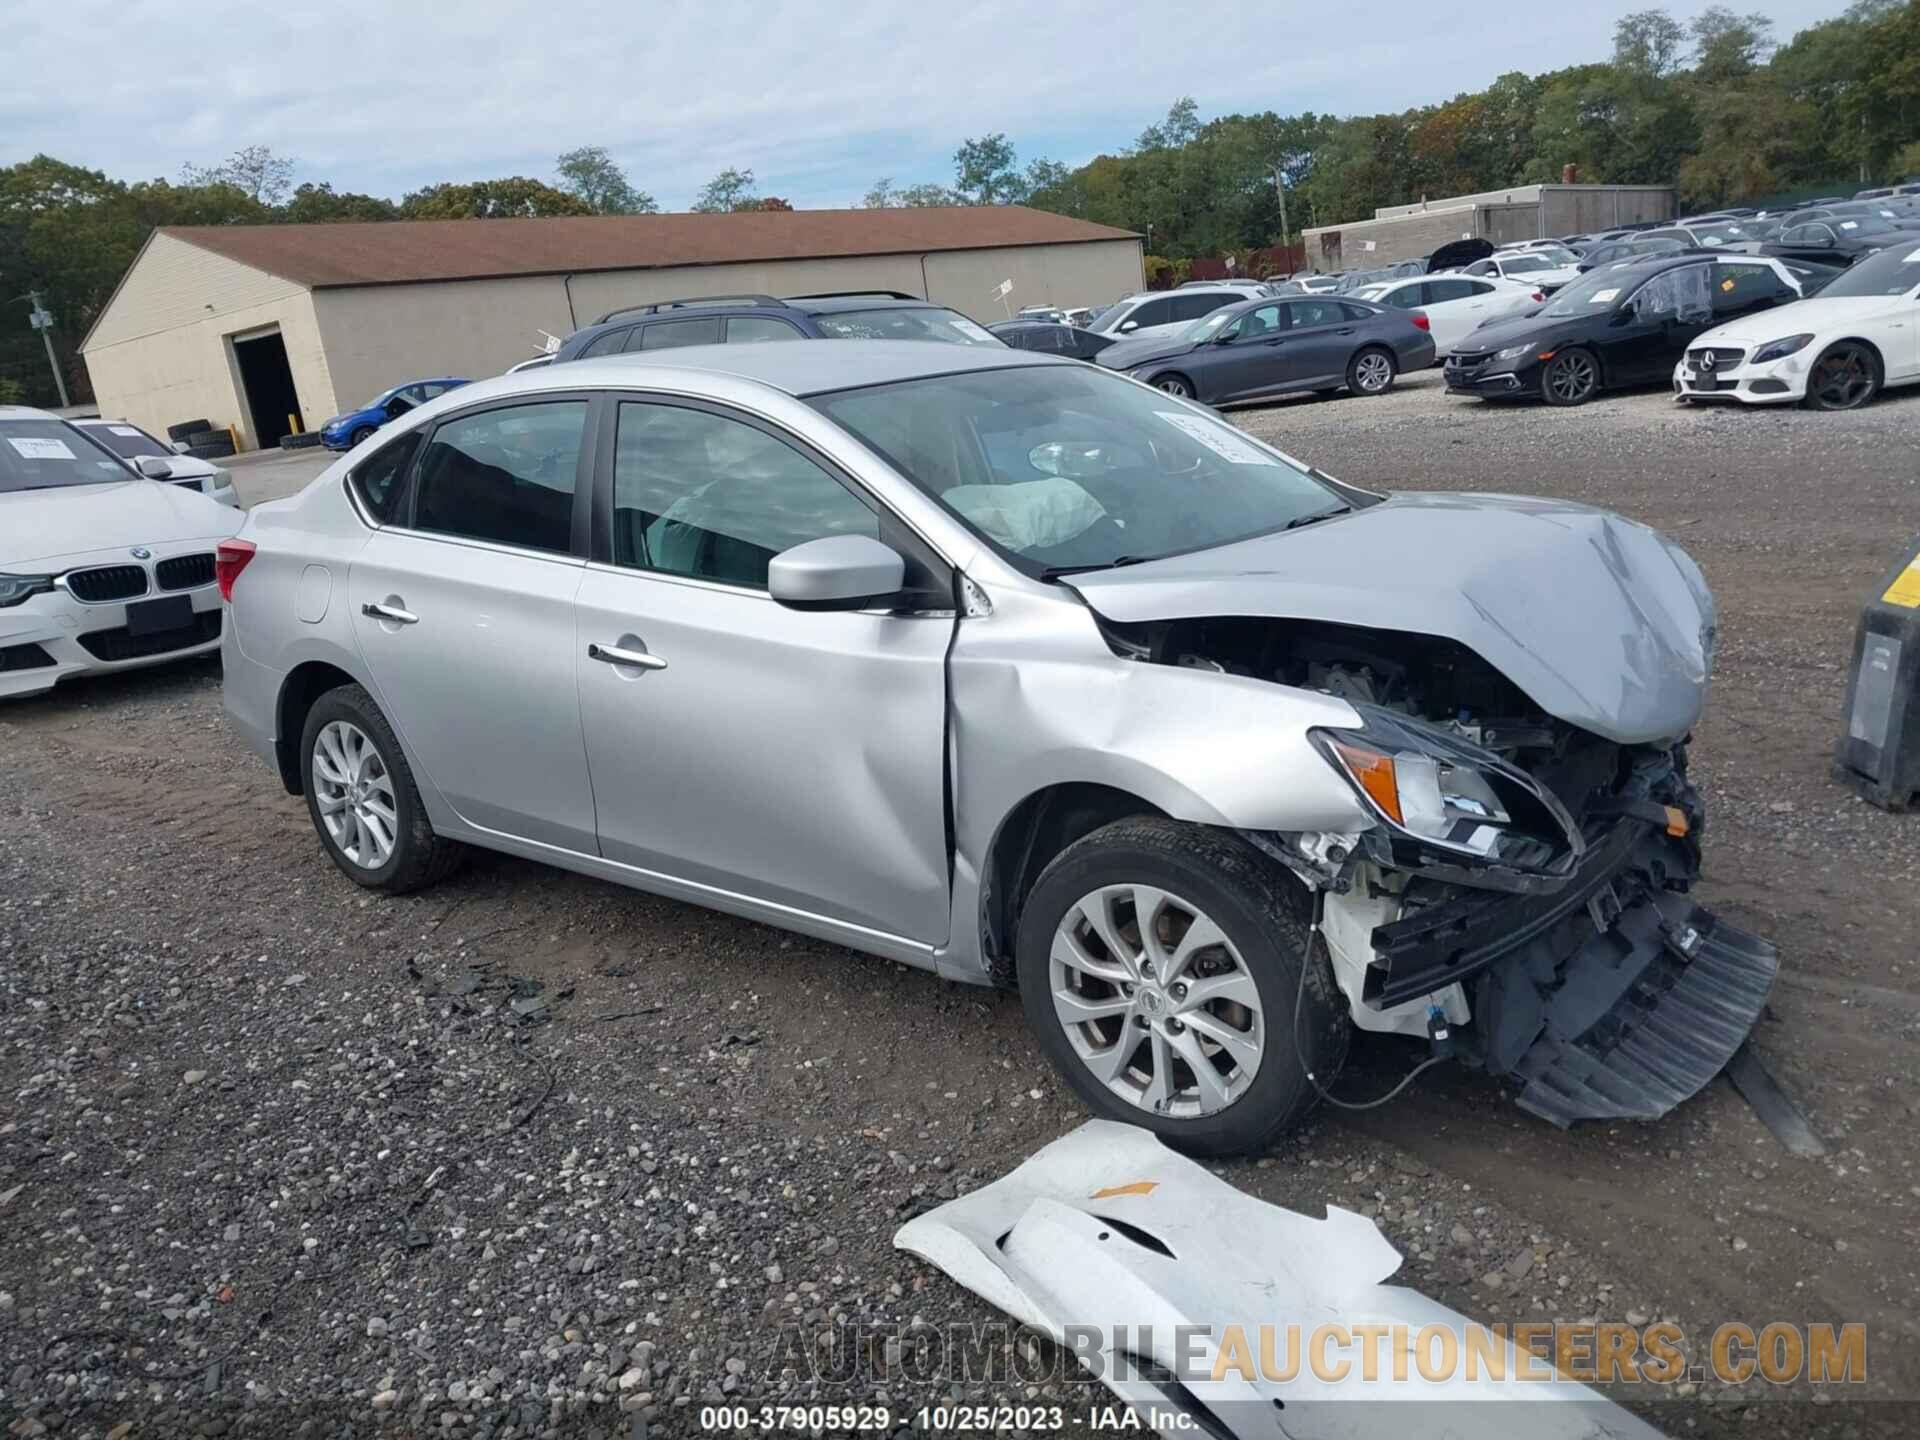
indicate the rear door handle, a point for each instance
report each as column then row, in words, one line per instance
column 614, row 655
column 391, row 613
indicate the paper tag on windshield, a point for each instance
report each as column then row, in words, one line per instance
column 1849, row 224
column 31, row 449
column 1913, row 259
column 1601, row 297
column 972, row 331
column 127, row 430
column 1223, row 441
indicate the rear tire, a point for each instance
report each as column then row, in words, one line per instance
column 360, row 437
column 1200, row 875
column 1372, row 371
column 377, row 773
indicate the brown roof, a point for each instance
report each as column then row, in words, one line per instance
column 393, row 252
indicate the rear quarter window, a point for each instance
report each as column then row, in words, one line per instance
column 380, row 479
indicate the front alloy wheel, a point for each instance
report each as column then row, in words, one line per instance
column 1175, row 385
column 1156, row 1001
column 1845, row 377
column 1570, row 378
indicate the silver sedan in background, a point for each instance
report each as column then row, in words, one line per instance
column 1030, row 674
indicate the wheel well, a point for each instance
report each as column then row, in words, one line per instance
column 1879, row 360
column 304, row 685
column 1179, row 375
column 1040, row 827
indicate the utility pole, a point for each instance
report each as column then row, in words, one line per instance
column 40, row 320
column 1281, row 190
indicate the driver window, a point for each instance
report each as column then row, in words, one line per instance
column 1258, row 324
column 1682, row 294
column 504, row 475
column 714, row 498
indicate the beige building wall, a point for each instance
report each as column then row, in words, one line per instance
column 378, row 336
column 162, row 350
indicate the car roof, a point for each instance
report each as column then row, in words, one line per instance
column 834, row 304
column 25, row 412
column 815, row 370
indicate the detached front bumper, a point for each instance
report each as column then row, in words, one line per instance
column 1777, row 382
column 1612, row 996
column 1491, row 379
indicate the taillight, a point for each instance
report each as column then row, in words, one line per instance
column 230, row 557
column 1539, row 297
column 1420, row 321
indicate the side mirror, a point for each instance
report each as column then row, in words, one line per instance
column 836, row 572
column 154, row 467
column 179, row 447
column 1129, row 325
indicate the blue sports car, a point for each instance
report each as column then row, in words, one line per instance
column 343, row 432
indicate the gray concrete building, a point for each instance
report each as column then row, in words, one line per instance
column 256, row 325
column 1524, row 212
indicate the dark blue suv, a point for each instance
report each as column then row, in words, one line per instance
column 732, row 319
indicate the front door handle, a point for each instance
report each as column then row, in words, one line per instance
column 391, row 613
column 1344, row 330
column 615, row 655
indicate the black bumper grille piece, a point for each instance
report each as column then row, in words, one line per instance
column 118, row 644
column 108, row 582
column 184, row 572
column 23, row 657
column 1674, row 1029
column 1723, row 359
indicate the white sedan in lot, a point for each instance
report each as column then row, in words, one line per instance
column 1455, row 305
column 103, row 566
column 130, row 442
column 1836, row 351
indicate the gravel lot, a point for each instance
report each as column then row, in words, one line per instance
column 529, row 1154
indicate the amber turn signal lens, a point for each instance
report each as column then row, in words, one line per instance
column 1676, row 822
column 1374, row 774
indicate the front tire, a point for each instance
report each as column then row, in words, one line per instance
column 1845, row 377
column 1176, row 385
column 362, row 799
column 1372, row 371
column 1571, row 378
column 1183, row 1024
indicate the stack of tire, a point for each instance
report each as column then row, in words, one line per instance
column 202, row 440
column 305, row 440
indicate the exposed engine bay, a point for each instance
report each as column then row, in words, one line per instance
column 1523, row 891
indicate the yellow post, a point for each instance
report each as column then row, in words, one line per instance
column 293, row 423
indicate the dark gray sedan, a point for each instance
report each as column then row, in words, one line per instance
column 1270, row 347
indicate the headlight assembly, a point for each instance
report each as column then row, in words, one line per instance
column 1436, row 788
column 1515, row 352
column 1780, row 349
column 16, row 588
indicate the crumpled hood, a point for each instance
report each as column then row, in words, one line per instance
column 83, row 519
column 1603, row 622
column 1137, row 350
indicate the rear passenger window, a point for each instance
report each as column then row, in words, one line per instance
column 377, row 480
column 714, row 498
column 742, row 329
column 1441, row 291
column 1407, row 297
column 667, row 334
column 611, row 343
column 504, row 475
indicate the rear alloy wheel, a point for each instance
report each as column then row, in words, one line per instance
column 1371, row 372
column 1845, row 377
column 362, row 798
column 1571, row 378
column 1160, row 966
column 1177, row 385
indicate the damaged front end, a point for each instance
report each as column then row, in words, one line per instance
column 1523, row 888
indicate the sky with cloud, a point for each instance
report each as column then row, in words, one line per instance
column 818, row 100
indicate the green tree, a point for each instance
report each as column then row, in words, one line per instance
column 1727, row 46
column 1648, row 42
column 984, row 173
column 515, row 197
column 314, row 204
column 920, row 196
column 590, row 175
column 254, row 170
column 731, row 189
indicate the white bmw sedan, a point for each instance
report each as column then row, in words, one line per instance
column 101, row 568
column 131, row 443
column 1836, row 351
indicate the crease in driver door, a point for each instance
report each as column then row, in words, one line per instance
column 593, row 538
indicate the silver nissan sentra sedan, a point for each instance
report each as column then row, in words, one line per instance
column 1031, row 675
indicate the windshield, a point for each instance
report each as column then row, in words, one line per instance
column 1591, row 292
column 904, row 323
column 127, row 440
column 1521, row 264
column 1208, row 325
column 1554, row 254
column 1067, row 467
column 48, row 454
column 1728, row 234
column 1891, row 272
column 1850, row 226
